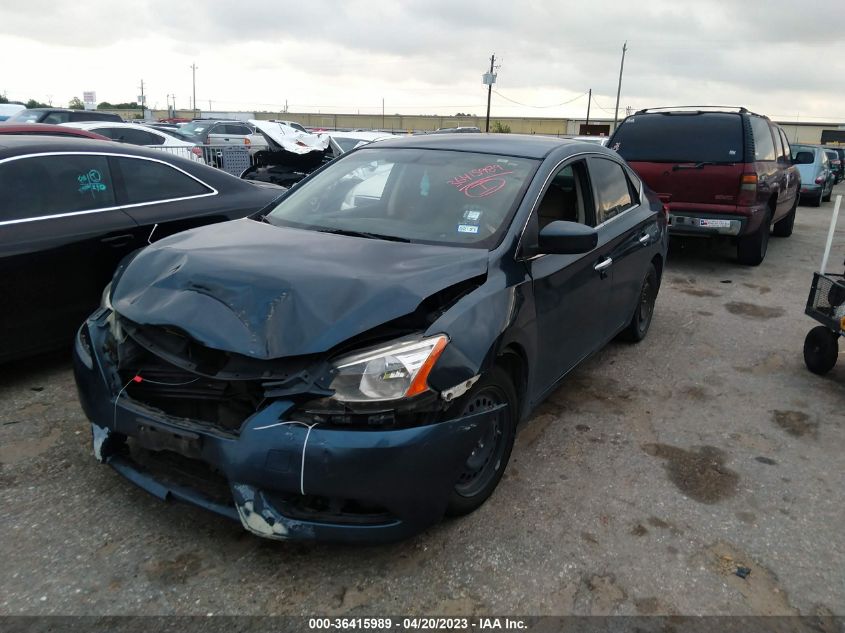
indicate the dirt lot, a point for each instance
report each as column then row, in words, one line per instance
column 650, row 475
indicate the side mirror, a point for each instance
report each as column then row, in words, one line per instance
column 567, row 238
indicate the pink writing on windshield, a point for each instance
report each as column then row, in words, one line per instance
column 480, row 182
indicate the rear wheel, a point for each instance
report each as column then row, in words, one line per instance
column 783, row 227
column 829, row 194
column 485, row 465
column 751, row 249
column 821, row 348
column 640, row 322
column 817, row 201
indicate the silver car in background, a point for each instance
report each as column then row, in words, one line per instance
column 817, row 178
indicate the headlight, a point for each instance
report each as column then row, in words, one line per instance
column 105, row 300
column 387, row 373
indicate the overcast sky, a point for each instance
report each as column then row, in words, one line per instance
column 783, row 58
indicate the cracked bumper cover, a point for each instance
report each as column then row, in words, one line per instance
column 409, row 472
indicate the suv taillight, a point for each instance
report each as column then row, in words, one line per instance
column 747, row 189
column 820, row 180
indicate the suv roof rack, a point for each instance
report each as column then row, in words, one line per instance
column 701, row 108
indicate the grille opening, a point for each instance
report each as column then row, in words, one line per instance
column 171, row 468
column 223, row 404
column 329, row 509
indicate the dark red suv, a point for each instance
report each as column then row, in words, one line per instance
column 720, row 171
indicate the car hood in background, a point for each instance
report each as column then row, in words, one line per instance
column 267, row 292
column 291, row 139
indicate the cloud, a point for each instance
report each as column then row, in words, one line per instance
column 776, row 56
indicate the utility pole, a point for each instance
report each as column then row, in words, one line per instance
column 194, row 83
column 489, row 82
column 382, row 113
column 619, row 88
column 143, row 102
column 589, row 100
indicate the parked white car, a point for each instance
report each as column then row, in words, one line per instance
column 343, row 142
column 8, row 109
column 136, row 134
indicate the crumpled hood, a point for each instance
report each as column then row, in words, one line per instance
column 267, row 292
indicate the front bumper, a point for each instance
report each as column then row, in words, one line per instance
column 274, row 467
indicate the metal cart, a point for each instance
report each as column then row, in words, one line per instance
column 826, row 304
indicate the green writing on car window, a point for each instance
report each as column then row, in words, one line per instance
column 91, row 182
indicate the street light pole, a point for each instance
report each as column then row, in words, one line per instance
column 619, row 88
column 589, row 101
column 194, row 82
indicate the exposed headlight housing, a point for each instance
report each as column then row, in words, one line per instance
column 393, row 372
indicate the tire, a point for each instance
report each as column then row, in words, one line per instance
column 827, row 197
column 783, row 227
column 485, row 465
column 751, row 249
column 817, row 201
column 821, row 348
column 637, row 329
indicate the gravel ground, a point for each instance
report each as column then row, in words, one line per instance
column 639, row 487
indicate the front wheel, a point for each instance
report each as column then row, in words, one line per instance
column 821, row 348
column 485, row 465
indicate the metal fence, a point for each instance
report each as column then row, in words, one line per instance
column 234, row 159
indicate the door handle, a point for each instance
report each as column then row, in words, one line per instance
column 603, row 264
column 645, row 238
column 118, row 240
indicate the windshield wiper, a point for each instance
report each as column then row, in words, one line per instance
column 365, row 234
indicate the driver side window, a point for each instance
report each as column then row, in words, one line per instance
column 565, row 198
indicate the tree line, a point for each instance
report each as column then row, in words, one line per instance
column 74, row 104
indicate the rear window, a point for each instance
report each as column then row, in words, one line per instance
column 678, row 138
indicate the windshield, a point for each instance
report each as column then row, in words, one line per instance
column 25, row 116
column 194, row 128
column 429, row 196
column 679, row 138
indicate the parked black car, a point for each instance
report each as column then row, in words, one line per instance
column 351, row 363
column 60, row 115
column 71, row 209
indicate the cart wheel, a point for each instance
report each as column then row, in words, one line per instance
column 821, row 347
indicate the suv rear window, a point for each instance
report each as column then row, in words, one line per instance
column 679, row 138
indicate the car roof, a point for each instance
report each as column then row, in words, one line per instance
column 84, row 125
column 524, row 145
column 47, row 128
column 23, row 144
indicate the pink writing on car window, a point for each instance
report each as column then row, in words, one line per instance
column 481, row 182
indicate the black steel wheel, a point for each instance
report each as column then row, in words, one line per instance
column 644, row 311
column 486, row 463
column 751, row 249
column 821, row 348
column 783, row 227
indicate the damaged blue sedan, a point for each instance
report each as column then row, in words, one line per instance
column 352, row 363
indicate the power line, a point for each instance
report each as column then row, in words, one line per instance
column 600, row 107
column 526, row 105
